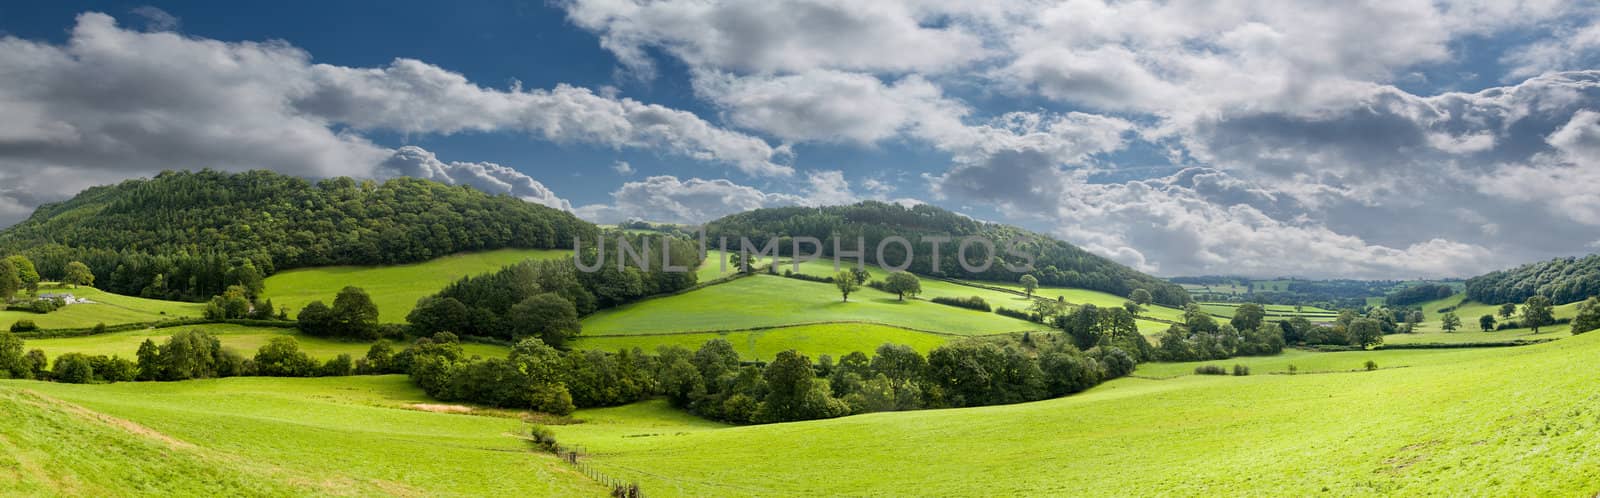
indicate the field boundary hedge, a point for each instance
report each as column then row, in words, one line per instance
column 1467, row 345
column 1036, row 297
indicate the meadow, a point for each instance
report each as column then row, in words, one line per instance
column 243, row 339
column 769, row 301
column 395, row 289
column 835, row 339
column 105, row 307
column 265, row 437
column 1476, row 422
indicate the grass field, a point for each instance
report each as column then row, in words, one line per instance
column 1275, row 312
column 768, row 301
column 263, row 437
column 836, row 339
column 395, row 289
column 1501, row 421
column 107, row 308
column 245, row 340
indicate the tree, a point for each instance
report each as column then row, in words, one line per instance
column 26, row 272
column 548, row 316
column 1365, row 332
column 1029, row 283
column 846, row 282
column 354, row 314
column 795, row 393
column 149, row 357
column 435, row 314
column 1197, row 320
column 73, row 368
column 1133, row 307
column 78, row 274
column 1140, row 296
column 281, row 357
column 902, row 283
column 13, row 363
column 1508, row 309
column 1486, row 322
column 316, row 319
column 1248, row 316
column 1451, row 322
column 10, row 283
column 1537, row 312
column 1588, row 316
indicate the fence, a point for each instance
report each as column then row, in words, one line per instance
column 619, row 488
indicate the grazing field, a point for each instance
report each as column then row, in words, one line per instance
column 105, row 307
column 395, row 289
column 1308, row 362
column 1274, row 312
column 245, row 340
column 769, row 301
column 265, row 437
column 1499, row 421
column 836, row 339
column 932, row 288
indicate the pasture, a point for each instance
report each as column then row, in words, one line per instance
column 769, row 301
column 1458, row 422
column 105, row 307
column 395, row 289
column 265, row 437
column 836, row 339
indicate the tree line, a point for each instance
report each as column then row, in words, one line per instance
column 185, row 355
column 191, row 235
column 1562, row 280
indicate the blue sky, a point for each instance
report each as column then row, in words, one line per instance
column 1380, row 140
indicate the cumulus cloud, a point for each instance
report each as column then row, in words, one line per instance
column 113, row 103
column 489, row 177
column 667, row 198
column 622, row 168
column 780, row 36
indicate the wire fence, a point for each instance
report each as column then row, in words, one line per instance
column 575, row 458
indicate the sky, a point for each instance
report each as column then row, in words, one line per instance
column 1375, row 140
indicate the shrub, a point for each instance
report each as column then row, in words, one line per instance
column 1240, row 370
column 1210, row 370
column 1018, row 314
column 1293, row 369
column 971, row 303
column 543, row 438
column 808, row 278
column 24, row 326
column 1372, row 365
column 73, row 368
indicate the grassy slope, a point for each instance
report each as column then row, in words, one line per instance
column 1480, row 422
column 835, row 339
column 312, row 436
column 395, row 289
column 765, row 301
column 245, row 340
column 1432, row 330
column 107, row 308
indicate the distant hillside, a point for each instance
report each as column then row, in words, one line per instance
column 1056, row 263
column 188, row 235
column 1563, row 280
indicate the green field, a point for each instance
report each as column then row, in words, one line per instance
column 395, row 289
column 769, row 301
column 836, row 339
column 1500, row 421
column 245, row 340
column 1275, row 312
column 107, row 308
column 263, row 437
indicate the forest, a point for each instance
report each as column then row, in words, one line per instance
column 1056, row 263
column 1563, row 280
column 190, row 235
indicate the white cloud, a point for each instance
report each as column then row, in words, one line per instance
column 488, row 177
column 826, row 106
column 622, row 168
column 760, row 36
column 668, row 199
column 113, row 103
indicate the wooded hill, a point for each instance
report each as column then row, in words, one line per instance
column 1563, row 280
column 189, row 235
column 1056, row 263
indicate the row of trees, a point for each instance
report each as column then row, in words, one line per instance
column 185, row 355
column 715, row 382
column 190, row 236
column 544, row 298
